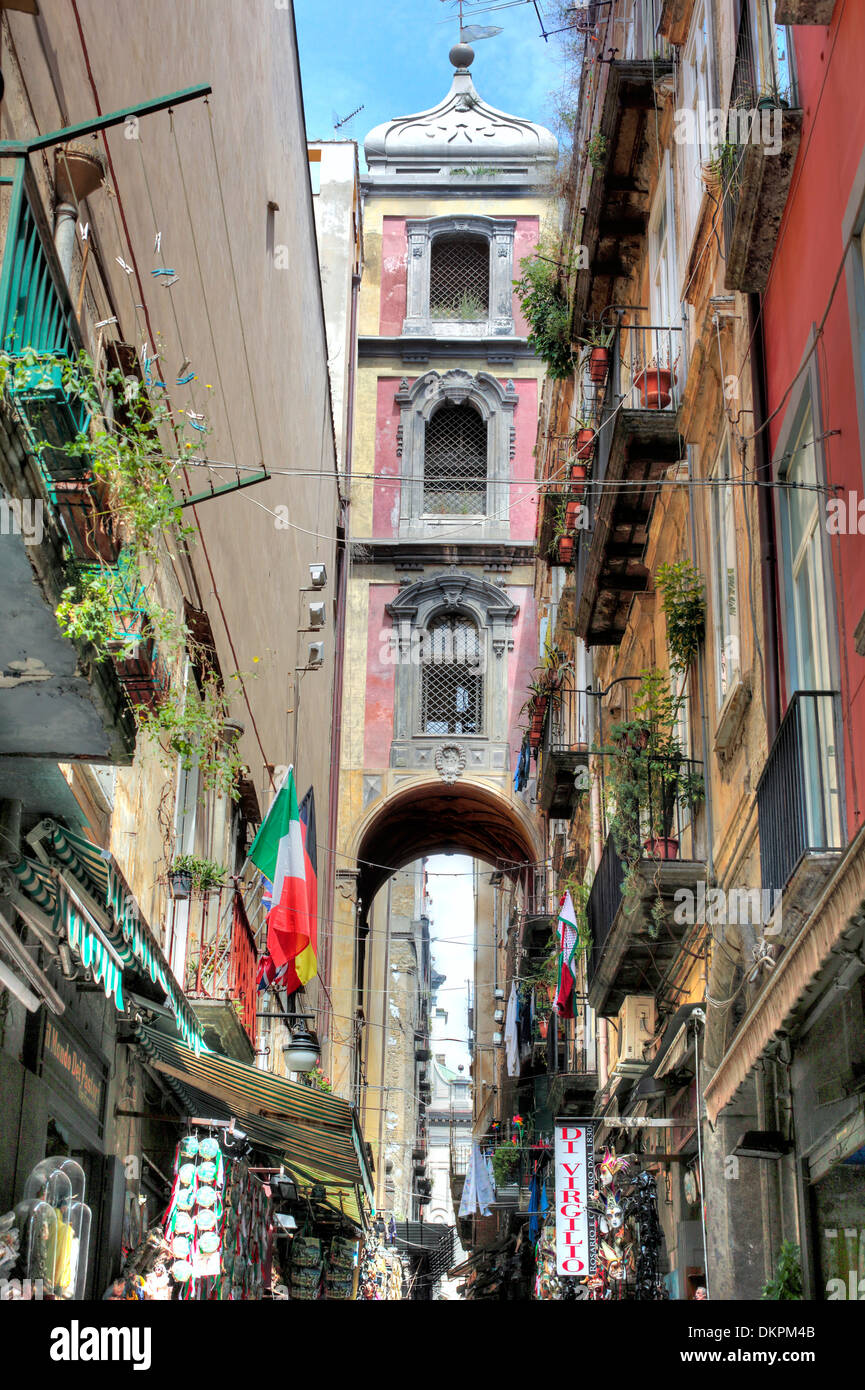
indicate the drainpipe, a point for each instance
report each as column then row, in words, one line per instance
column 766, row 515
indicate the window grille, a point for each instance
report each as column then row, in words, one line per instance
column 452, row 684
column 459, row 278
column 455, row 462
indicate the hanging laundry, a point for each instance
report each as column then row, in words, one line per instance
column 512, row 1052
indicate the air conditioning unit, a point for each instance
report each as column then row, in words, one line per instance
column 636, row 1023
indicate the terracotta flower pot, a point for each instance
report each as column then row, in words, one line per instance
column 662, row 847
column 599, row 360
column 566, row 549
column 585, row 443
column 578, row 472
column 572, row 510
column 655, row 387
column 543, row 1026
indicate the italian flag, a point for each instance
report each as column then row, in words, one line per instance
column 284, row 850
column 568, row 938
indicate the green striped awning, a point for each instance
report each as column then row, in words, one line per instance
column 130, row 936
column 74, row 923
column 314, row 1134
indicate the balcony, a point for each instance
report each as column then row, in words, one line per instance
column 564, row 751
column 573, row 1080
column 631, row 952
column 617, row 208
column 58, row 704
column 766, row 144
column 221, row 966
column 566, row 464
column 638, row 442
column 804, row 11
column 799, row 805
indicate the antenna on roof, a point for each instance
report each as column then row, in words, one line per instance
column 338, row 122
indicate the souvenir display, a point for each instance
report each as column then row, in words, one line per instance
column 381, row 1274
column 194, row 1214
column 341, row 1265
column 306, row 1267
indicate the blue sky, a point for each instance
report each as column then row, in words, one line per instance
column 393, row 58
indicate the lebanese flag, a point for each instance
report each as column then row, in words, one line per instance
column 279, row 851
column 568, row 938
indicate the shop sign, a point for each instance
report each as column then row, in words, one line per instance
column 63, row 1061
column 575, row 1184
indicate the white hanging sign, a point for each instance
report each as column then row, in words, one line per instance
column 575, row 1184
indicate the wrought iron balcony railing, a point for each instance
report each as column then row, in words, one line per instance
column 667, row 833
column 799, row 792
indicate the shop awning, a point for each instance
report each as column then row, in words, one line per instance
column 840, row 905
column 104, row 913
column 315, row 1134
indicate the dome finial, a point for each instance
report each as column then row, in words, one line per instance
column 462, row 55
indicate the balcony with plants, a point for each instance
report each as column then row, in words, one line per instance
column 627, row 90
column 652, row 795
column 754, row 165
column 563, row 755
column 637, row 445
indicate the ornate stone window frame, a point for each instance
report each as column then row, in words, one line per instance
column 418, row 403
column 491, row 609
column 499, row 232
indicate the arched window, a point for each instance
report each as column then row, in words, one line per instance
column 452, row 683
column 455, row 462
column 459, row 285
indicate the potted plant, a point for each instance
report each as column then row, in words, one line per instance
column 720, row 166
column 189, row 873
column 654, row 381
column 598, row 340
column 506, row 1164
column 584, row 438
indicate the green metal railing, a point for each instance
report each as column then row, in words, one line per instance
column 37, row 327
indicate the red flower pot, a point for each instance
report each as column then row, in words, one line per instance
column 572, row 510
column 662, row 847
column 599, row 360
column 543, row 1025
column 578, row 472
column 566, row 549
column 585, row 443
column 534, row 738
column 655, row 387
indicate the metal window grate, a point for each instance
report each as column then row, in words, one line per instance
column 459, row 278
column 455, row 462
column 452, row 686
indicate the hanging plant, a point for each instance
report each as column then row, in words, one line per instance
column 544, row 302
column 192, row 730
column 683, row 592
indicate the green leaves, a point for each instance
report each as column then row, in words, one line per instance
column 193, row 729
column 545, row 305
column 205, row 873
column 683, row 592
column 786, row 1283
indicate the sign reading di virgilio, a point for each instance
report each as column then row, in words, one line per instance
column 575, row 1184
